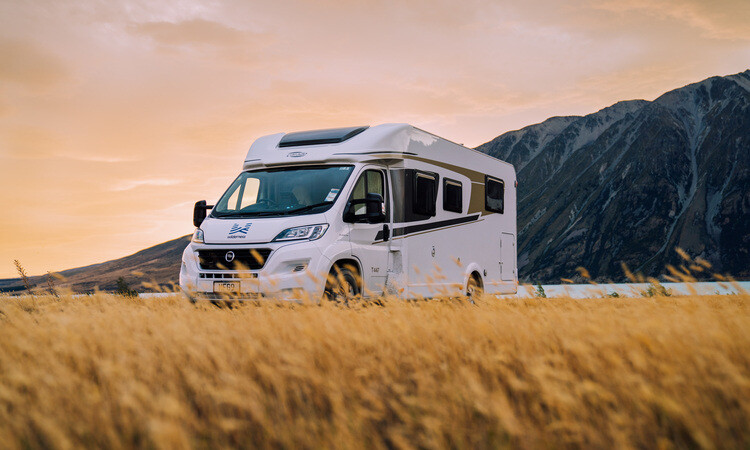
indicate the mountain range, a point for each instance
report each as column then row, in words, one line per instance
column 625, row 185
column 632, row 182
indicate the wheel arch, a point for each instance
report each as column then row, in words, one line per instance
column 351, row 260
column 472, row 270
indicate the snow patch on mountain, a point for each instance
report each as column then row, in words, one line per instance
column 543, row 134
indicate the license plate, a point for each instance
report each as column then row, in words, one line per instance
column 223, row 287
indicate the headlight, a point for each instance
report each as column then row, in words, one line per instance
column 309, row 232
column 197, row 236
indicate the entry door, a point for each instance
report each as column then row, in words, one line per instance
column 367, row 239
column 508, row 256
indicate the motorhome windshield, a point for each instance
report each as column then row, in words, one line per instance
column 288, row 191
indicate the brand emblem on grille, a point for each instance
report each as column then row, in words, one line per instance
column 229, row 257
column 238, row 229
column 296, row 154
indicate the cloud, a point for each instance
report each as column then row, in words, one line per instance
column 199, row 36
column 29, row 65
column 127, row 185
column 191, row 32
column 724, row 19
column 100, row 159
column 29, row 142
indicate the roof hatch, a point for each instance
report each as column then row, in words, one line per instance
column 317, row 137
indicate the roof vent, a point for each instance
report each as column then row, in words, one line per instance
column 317, row 137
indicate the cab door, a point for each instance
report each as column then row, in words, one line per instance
column 371, row 241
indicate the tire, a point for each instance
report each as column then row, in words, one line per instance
column 474, row 288
column 342, row 285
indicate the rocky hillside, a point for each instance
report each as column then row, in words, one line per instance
column 160, row 264
column 633, row 181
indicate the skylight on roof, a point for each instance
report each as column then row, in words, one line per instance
column 317, row 137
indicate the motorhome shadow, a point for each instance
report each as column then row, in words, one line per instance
column 389, row 209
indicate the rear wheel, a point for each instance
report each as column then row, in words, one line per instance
column 341, row 285
column 474, row 288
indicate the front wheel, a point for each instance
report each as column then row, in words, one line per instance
column 341, row 285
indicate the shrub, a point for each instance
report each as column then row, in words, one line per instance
column 124, row 289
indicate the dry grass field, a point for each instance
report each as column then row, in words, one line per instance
column 112, row 372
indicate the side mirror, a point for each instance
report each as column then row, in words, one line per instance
column 373, row 210
column 375, row 207
column 199, row 212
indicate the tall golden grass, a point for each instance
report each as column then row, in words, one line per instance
column 114, row 372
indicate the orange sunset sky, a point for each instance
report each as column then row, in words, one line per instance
column 116, row 116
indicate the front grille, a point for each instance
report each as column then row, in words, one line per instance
column 244, row 259
column 227, row 275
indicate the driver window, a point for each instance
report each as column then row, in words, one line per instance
column 370, row 182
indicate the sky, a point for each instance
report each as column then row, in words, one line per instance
column 117, row 116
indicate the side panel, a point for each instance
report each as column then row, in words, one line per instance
column 438, row 251
column 439, row 260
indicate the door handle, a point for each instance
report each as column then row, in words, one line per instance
column 386, row 233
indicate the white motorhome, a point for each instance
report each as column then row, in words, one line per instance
column 358, row 211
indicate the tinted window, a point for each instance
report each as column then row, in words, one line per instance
column 494, row 198
column 401, row 195
column 425, row 193
column 452, row 195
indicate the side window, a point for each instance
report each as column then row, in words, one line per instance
column 452, row 195
column 425, row 193
column 494, row 194
column 370, row 182
column 360, row 188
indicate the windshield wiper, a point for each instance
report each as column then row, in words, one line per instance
column 271, row 213
column 308, row 207
column 250, row 214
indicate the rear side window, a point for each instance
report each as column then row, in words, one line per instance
column 425, row 193
column 452, row 195
column 494, row 194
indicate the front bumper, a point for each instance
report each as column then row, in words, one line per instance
column 292, row 271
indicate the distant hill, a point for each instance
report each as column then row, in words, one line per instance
column 160, row 264
column 635, row 180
